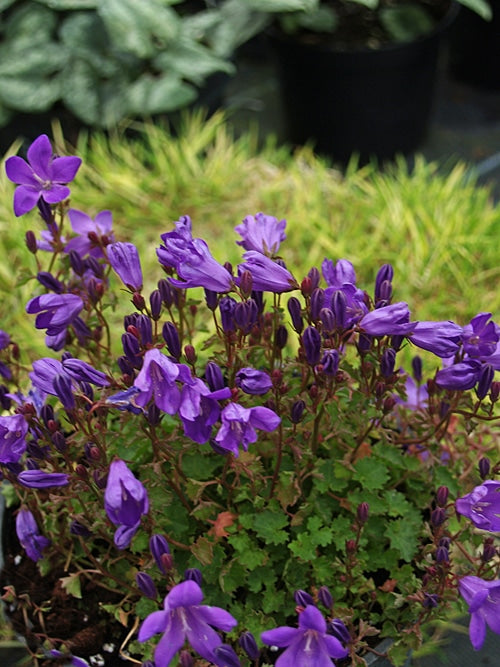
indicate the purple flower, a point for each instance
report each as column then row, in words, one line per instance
column 55, row 312
column 480, row 336
column 440, row 338
column 83, row 372
column 193, row 262
column 482, row 506
column 29, row 536
column 125, row 502
column 239, row 424
column 262, row 233
column 463, row 375
column 42, row 176
column 483, row 598
column 37, row 479
column 13, row 429
column 268, row 276
column 157, row 378
column 416, row 395
column 124, row 260
column 309, row 645
column 252, row 381
column 392, row 320
column 199, row 409
column 183, row 617
column 4, row 339
column 339, row 274
column 86, row 228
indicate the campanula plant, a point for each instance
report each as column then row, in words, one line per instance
column 249, row 466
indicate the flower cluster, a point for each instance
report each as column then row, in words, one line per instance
column 287, row 457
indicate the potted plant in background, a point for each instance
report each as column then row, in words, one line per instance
column 357, row 76
column 279, row 460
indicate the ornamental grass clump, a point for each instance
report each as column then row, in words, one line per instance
column 258, row 467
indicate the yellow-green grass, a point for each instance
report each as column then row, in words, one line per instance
column 439, row 230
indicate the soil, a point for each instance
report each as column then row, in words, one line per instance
column 81, row 625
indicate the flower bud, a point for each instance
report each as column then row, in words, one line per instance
column 211, row 299
column 362, row 512
column 350, row 547
column 430, row 600
column 167, row 292
column 213, row 376
column 193, row 574
column 171, row 338
column 249, row 645
column 438, row 516
column 416, row 364
column 494, row 391
column 330, row 362
column 315, row 276
column 226, row 309
column 138, row 301
column 311, row 341
column 316, row 304
column 50, row 282
column 306, row 286
column 295, row 313
column 442, row 496
column 339, row 307
column 325, row 597
column 484, row 467
column 146, row 585
column 190, row 354
column 246, row 282
column 63, row 388
column 297, row 410
column 77, row 263
column 489, row 550
column 337, row 628
column 155, row 304
column 185, row 659
column 327, row 320
column 281, row 337
column 30, row 240
column 226, row 656
column 303, row 598
column 388, row 362
column 158, row 546
column 485, row 379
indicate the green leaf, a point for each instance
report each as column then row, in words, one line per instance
column 71, row 585
column 41, row 61
column 371, row 473
column 481, row 7
column 31, row 24
column 403, row 535
column 191, row 61
column 406, row 23
column 139, row 27
column 60, row 5
column 151, row 95
column 269, row 526
column 29, row 94
column 6, row 3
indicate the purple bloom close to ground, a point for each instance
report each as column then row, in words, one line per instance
column 267, row 276
column 13, row 429
column 124, row 260
column 239, row 424
column 29, row 535
column 125, row 502
column 83, row 225
column 183, row 617
column 309, row 645
column 483, row 598
column 43, row 176
column 262, row 233
column 482, row 506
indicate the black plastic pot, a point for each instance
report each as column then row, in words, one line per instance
column 373, row 102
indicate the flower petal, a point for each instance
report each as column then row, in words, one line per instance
column 40, row 155
column 152, row 624
column 18, row 171
column 63, row 169
column 282, row 636
column 219, row 618
column 56, row 193
column 25, row 198
column 185, row 594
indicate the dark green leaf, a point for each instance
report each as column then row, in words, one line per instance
column 29, row 93
column 371, row 473
column 151, row 95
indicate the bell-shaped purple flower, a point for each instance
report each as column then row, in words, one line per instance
column 158, row 378
column 440, row 338
column 262, row 233
column 239, row 424
column 185, row 618
column 43, row 175
column 253, row 381
column 339, row 274
column 268, row 276
column 55, row 312
column 38, row 479
column 463, row 375
column 84, row 372
column 483, row 598
column 482, row 506
column 199, row 409
column 124, row 260
column 125, row 502
column 29, row 536
column 480, row 337
column 90, row 233
column 13, row 430
column 309, row 645
column 389, row 320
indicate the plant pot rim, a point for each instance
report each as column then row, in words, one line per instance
column 328, row 43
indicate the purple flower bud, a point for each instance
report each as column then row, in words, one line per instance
column 185, row 659
column 226, row 308
column 337, row 628
column 132, row 349
column 327, row 320
column 29, row 536
column 125, row 502
column 158, row 546
column 213, row 376
column 93, row 265
column 145, row 329
column 442, row 496
column 388, row 362
column 124, row 260
column 442, row 555
column 146, row 585
column 384, row 275
column 83, row 372
column 303, row 598
column 311, row 341
column 211, row 299
column 416, row 364
column 297, row 411
column 193, row 574
column 79, row 529
column 484, row 467
column 37, row 479
column 314, row 276
column 245, row 315
column 50, row 282
column 295, row 313
column 281, row 337
column 249, row 645
column 167, row 292
column 486, row 376
column 316, row 303
column 77, row 263
column 190, row 354
column 438, row 516
column 226, row 656
column 362, row 512
column 59, row 441
column 330, row 362
column 155, row 304
column 253, row 382
column 384, row 295
column 325, row 597
column 364, row 343
column 153, row 414
column 246, row 283
column 489, row 550
column 339, row 308
column 30, row 240
column 171, row 338
column 63, row 388
column 430, row 600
